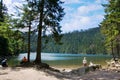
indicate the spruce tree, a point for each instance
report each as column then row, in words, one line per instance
column 110, row 27
column 50, row 13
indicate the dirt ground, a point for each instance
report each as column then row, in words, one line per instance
column 19, row 73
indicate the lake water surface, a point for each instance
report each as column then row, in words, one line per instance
column 67, row 60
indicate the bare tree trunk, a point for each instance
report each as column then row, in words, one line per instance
column 1, row 12
column 112, row 50
column 117, row 48
column 28, row 56
column 118, row 53
column 38, row 55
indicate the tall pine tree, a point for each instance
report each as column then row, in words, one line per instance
column 50, row 13
column 27, row 20
column 47, row 14
column 110, row 27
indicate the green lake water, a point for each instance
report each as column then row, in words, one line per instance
column 65, row 60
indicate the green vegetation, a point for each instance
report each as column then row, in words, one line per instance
column 89, row 42
column 41, row 17
column 45, row 16
column 13, row 61
column 10, row 39
column 110, row 27
column 4, row 49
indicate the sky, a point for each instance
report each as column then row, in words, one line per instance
column 79, row 14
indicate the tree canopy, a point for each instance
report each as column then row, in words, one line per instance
column 12, row 37
column 89, row 41
column 110, row 27
column 46, row 14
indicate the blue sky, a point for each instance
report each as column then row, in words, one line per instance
column 80, row 14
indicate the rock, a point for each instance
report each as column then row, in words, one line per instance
column 80, row 71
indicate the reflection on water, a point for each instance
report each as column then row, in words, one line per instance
column 67, row 59
column 50, row 56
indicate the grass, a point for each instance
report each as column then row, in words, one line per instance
column 13, row 61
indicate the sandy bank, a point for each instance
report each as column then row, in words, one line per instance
column 19, row 73
column 24, row 74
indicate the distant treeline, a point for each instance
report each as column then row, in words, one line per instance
column 85, row 41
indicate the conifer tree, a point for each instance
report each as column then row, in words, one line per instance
column 50, row 13
column 47, row 14
column 110, row 27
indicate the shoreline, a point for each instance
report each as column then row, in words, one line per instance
column 20, row 73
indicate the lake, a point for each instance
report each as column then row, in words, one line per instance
column 67, row 60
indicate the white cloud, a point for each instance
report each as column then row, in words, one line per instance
column 71, row 1
column 83, row 16
column 7, row 2
column 17, row 4
column 100, row 17
column 8, row 5
column 76, row 23
column 87, row 15
column 82, row 22
column 101, row 1
column 88, row 8
column 11, row 4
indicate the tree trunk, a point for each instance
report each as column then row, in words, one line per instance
column 38, row 55
column 1, row 12
column 118, row 53
column 112, row 50
column 28, row 56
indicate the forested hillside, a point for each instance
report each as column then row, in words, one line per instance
column 89, row 41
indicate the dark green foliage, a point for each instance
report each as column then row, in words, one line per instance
column 88, row 41
column 4, row 42
column 110, row 27
column 50, row 13
column 28, row 16
column 16, row 42
column 4, row 48
column 3, row 10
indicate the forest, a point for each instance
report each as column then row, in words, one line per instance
column 40, row 16
column 89, row 41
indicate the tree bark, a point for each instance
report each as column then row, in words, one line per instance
column 38, row 55
column 118, row 53
column 28, row 56
column 1, row 12
column 112, row 50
